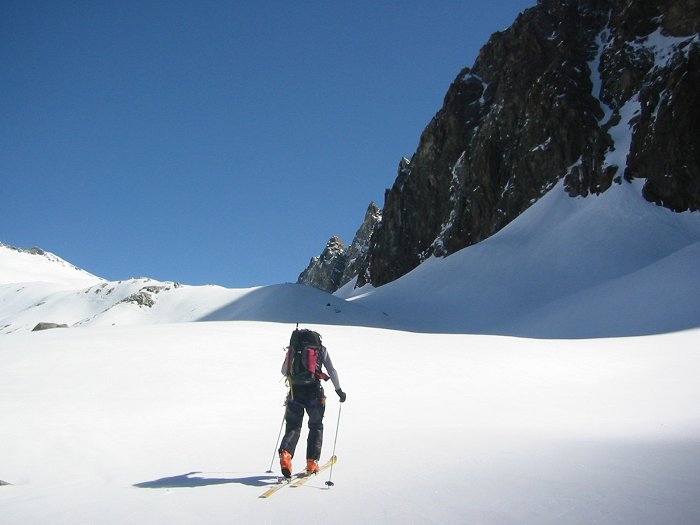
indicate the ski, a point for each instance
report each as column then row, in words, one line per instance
column 297, row 480
column 306, row 476
column 281, row 483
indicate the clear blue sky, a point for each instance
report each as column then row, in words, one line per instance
column 216, row 142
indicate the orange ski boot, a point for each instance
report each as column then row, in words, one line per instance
column 311, row 466
column 286, row 463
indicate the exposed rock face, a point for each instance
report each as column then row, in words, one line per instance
column 326, row 270
column 592, row 91
column 48, row 326
column 338, row 265
column 356, row 257
column 33, row 251
column 144, row 298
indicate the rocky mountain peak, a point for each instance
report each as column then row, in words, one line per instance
column 357, row 263
column 338, row 265
column 594, row 92
column 326, row 270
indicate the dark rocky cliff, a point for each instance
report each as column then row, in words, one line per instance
column 594, row 92
column 326, row 270
column 552, row 97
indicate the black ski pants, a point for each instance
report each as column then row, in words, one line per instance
column 311, row 399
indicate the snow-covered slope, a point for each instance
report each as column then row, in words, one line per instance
column 36, row 286
column 146, row 301
column 22, row 266
column 608, row 265
column 177, row 424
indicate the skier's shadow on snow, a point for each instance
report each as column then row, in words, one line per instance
column 193, row 480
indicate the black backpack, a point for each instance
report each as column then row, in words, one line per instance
column 305, row 353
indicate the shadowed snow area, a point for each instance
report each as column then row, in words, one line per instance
column 292, row 303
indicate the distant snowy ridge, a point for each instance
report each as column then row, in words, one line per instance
column 18, row 265
column 146, row 301
column 39, row 287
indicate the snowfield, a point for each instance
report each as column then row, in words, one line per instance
column 177, row 424
column 548, row 375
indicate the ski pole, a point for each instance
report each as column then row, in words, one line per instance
column 274, row 453
column 329, row 483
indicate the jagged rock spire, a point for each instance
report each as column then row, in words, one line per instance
column 338, row 265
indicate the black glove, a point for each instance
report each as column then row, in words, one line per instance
column 341, row 395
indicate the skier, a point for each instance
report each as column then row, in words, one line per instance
column 302, row 368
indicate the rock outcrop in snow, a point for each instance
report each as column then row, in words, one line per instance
column 47, row 326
